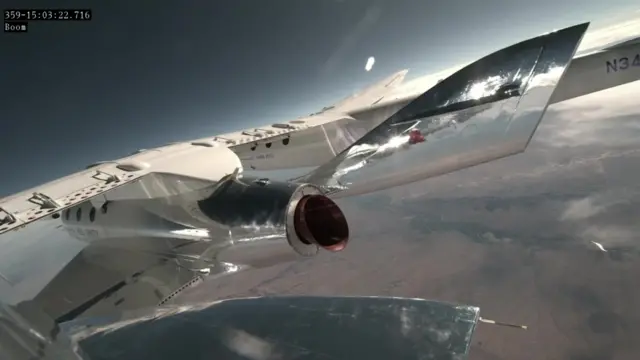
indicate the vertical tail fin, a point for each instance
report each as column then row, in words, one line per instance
column 488, row 110
column 371, row 93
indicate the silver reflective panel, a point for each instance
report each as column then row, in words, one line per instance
column 304, row 327
column 488, row 110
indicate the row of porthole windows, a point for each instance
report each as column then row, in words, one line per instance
column 285, row 142
column 92, row 213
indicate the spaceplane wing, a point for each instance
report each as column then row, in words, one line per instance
column 189, row 210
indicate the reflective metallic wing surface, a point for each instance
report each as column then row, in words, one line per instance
column 289, row 328
column 488, row 110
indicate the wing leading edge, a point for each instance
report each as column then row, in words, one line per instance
column 488, row 110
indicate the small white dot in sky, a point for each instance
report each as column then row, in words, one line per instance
column 369, row 65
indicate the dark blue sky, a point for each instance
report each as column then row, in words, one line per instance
column 140, row 76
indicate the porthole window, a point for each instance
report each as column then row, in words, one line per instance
column 92, row 214
column 285, row 141
column 78, row 214
column 268, row 145
column 253, row 147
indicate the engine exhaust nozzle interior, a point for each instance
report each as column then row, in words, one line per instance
column 319, row 220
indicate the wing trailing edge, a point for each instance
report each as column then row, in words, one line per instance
column 50, row 199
